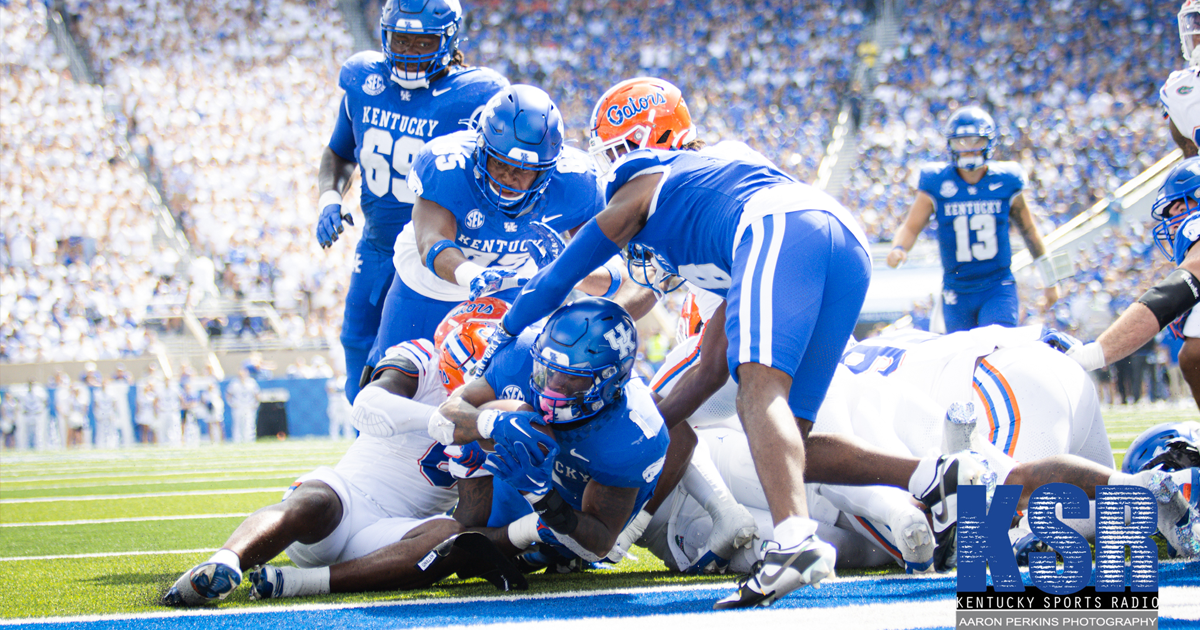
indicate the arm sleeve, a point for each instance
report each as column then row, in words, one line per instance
column 381, row 414
column 589, row 250
column 342, row 140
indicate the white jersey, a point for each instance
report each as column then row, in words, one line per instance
column 1180, row 97
column 406, row 474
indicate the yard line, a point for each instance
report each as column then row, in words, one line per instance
column 143, row 473
column 106, row 555
column 97, row 521
column 287, row 474
column 147, row 495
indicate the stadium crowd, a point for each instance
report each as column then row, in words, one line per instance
column 231, row 103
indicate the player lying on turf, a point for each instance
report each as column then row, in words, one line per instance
column 392, row 486
column 608, row 446
column 604, row 451
column 890, row 403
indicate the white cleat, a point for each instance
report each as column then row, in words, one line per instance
column 266, row 583
column 1178, row 519
column 913, row 538
column 965, row 468
column 733, row 528
column 782, row 571
column 202, row 584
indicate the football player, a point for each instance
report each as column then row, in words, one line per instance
column 1179, row 95
column 607, row 441
column 416, row 89
column 478, row 196
column 888, row 397
column 793, row 267
column 392, row 485
column 973, row 198
column 1169, row 302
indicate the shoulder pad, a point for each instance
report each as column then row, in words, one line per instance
column 359, row 66
column 410, row 357
column 930, row 176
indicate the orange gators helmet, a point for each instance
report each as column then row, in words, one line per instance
column 462, row 337
column 640, row 113
column 690, row 320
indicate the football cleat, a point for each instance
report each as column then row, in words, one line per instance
column 782, row 571
column 266, row 583
column 913, row 538
column 941, row 497
column 1178, row 519
column 202, row 584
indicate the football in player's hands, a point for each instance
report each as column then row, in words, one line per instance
column 513, row 405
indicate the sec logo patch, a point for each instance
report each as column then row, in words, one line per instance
column 374, row 85
column 474, row 219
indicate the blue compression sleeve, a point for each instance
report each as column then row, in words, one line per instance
column 342, row 140
column 589, row 250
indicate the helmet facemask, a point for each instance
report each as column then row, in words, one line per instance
column 1189, row 31
column 648, row 270
column 413, row 69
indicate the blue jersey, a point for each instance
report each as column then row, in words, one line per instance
column 623, row 446
column 972, row 223
column 444, row 173
column 695, row 215
column 391, row 125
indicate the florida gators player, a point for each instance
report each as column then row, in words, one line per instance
column 416, row 89
column 478, row 195
column 1179, row 95
column 794, row 269
column 1172, row 299
column 608, row 447
column 392, row 485
column 973, row 199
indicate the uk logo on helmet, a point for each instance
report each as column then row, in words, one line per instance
column 618, row 114
column 621, row 340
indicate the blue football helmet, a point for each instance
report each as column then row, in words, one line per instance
column 582, row 359
column 420, row 17
column 1182, row 183
column 523, row 128
column 1155, row 441
column 964, row 126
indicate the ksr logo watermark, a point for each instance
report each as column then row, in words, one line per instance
column 1125, row 519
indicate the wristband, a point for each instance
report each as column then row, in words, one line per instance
column 900, row 247
column 1045, row 271
column 1090, row 356
column 329, row 198
column 522, row 533
column 441, row 429
column 613, row 267
column 486, row 420
column 437, row 248
column 466, row 272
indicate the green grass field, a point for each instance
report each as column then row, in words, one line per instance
column 107, row 532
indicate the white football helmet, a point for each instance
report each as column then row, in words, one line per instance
column 1189, row 29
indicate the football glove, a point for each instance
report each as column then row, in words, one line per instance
column 548, row 245
column 529, row 474
column 494, row 280
column 1060, row 341
column 330, row 224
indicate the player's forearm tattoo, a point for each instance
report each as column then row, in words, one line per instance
column 474, row 502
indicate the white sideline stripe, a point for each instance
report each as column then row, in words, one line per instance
column 98, row 521
column 112, row 554
column 1174, row 603
column 142, row 473
column 146, row 495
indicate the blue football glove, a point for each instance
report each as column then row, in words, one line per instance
column 548, row 245
column 330, row 224
column 492, row 280
column 516, row 427
column 1060, row 341
column 499, row 340
column 472, row 457
column 519, row 468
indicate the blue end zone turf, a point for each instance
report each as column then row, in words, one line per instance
column 632, row 603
